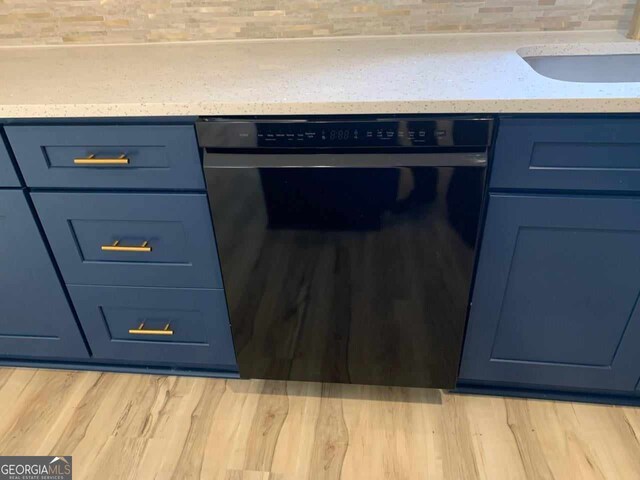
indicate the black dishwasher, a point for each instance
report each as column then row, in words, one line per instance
column 347, row 244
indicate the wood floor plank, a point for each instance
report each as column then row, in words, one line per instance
column 331, row 436
column 13, row 393
column 37, row 415
column 531, row 452
column 559, row 433
column 226, row 436
column 121, row 426
column 82, row 415
column 297, row 437
column 267, row 423
column 607, row 441
column 632, row 419
column 251, row 392
column 97, row 418
column 495, row 450
column 78, row 390
column 385, row 427
column 176, row 409
column 116, row 459
column 193, row 450
column 459, row 457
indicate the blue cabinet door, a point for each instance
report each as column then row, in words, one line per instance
column 167, row 326
column 35, row 317
column 555, row 301
column 568, row 154
column 8, row 177
column 108, row 156
column 131, row 239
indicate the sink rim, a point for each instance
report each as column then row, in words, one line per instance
column 578, row 62
column 570, row 49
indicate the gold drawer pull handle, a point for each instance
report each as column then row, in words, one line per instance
column 92, row 160
column 116, row 247
column 141, row 331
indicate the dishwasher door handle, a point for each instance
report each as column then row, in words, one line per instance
column 342, row 160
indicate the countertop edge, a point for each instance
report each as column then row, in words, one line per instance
column 510, row 106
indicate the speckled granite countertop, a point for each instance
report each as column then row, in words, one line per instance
column 406, row 74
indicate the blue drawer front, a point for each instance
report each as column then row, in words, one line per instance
column 8, row 177
column 82, row 228
column 569, row 154
column 35, row 317
column 197, row 318
column 159, row 156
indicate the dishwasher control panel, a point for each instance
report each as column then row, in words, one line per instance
column 377, row 133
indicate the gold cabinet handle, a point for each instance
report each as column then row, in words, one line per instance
column 116, row 247
column 92, row 160
column 141, row 331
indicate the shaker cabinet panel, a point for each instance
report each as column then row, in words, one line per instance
column 108, row 156
column 35, row 317
column 568, row 154
column 170, row 326
column 131, row 239
column 555, row 301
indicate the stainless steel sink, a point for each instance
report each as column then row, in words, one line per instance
column 588, row 68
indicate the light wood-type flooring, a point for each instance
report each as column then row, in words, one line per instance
column 145, row 426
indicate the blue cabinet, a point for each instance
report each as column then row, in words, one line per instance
column 165, row 326
column 35, row 317
column 108, row 156
column 131, row 239
column 556, row 297
column 568, row 154
column 8, row 177
column 138, row 258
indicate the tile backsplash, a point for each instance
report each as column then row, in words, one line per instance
column 26, row 22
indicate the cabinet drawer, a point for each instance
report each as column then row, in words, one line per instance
column 569, row 154
column 164, row 325
column 8, row 177
column 153, row 156
column 131, row 239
